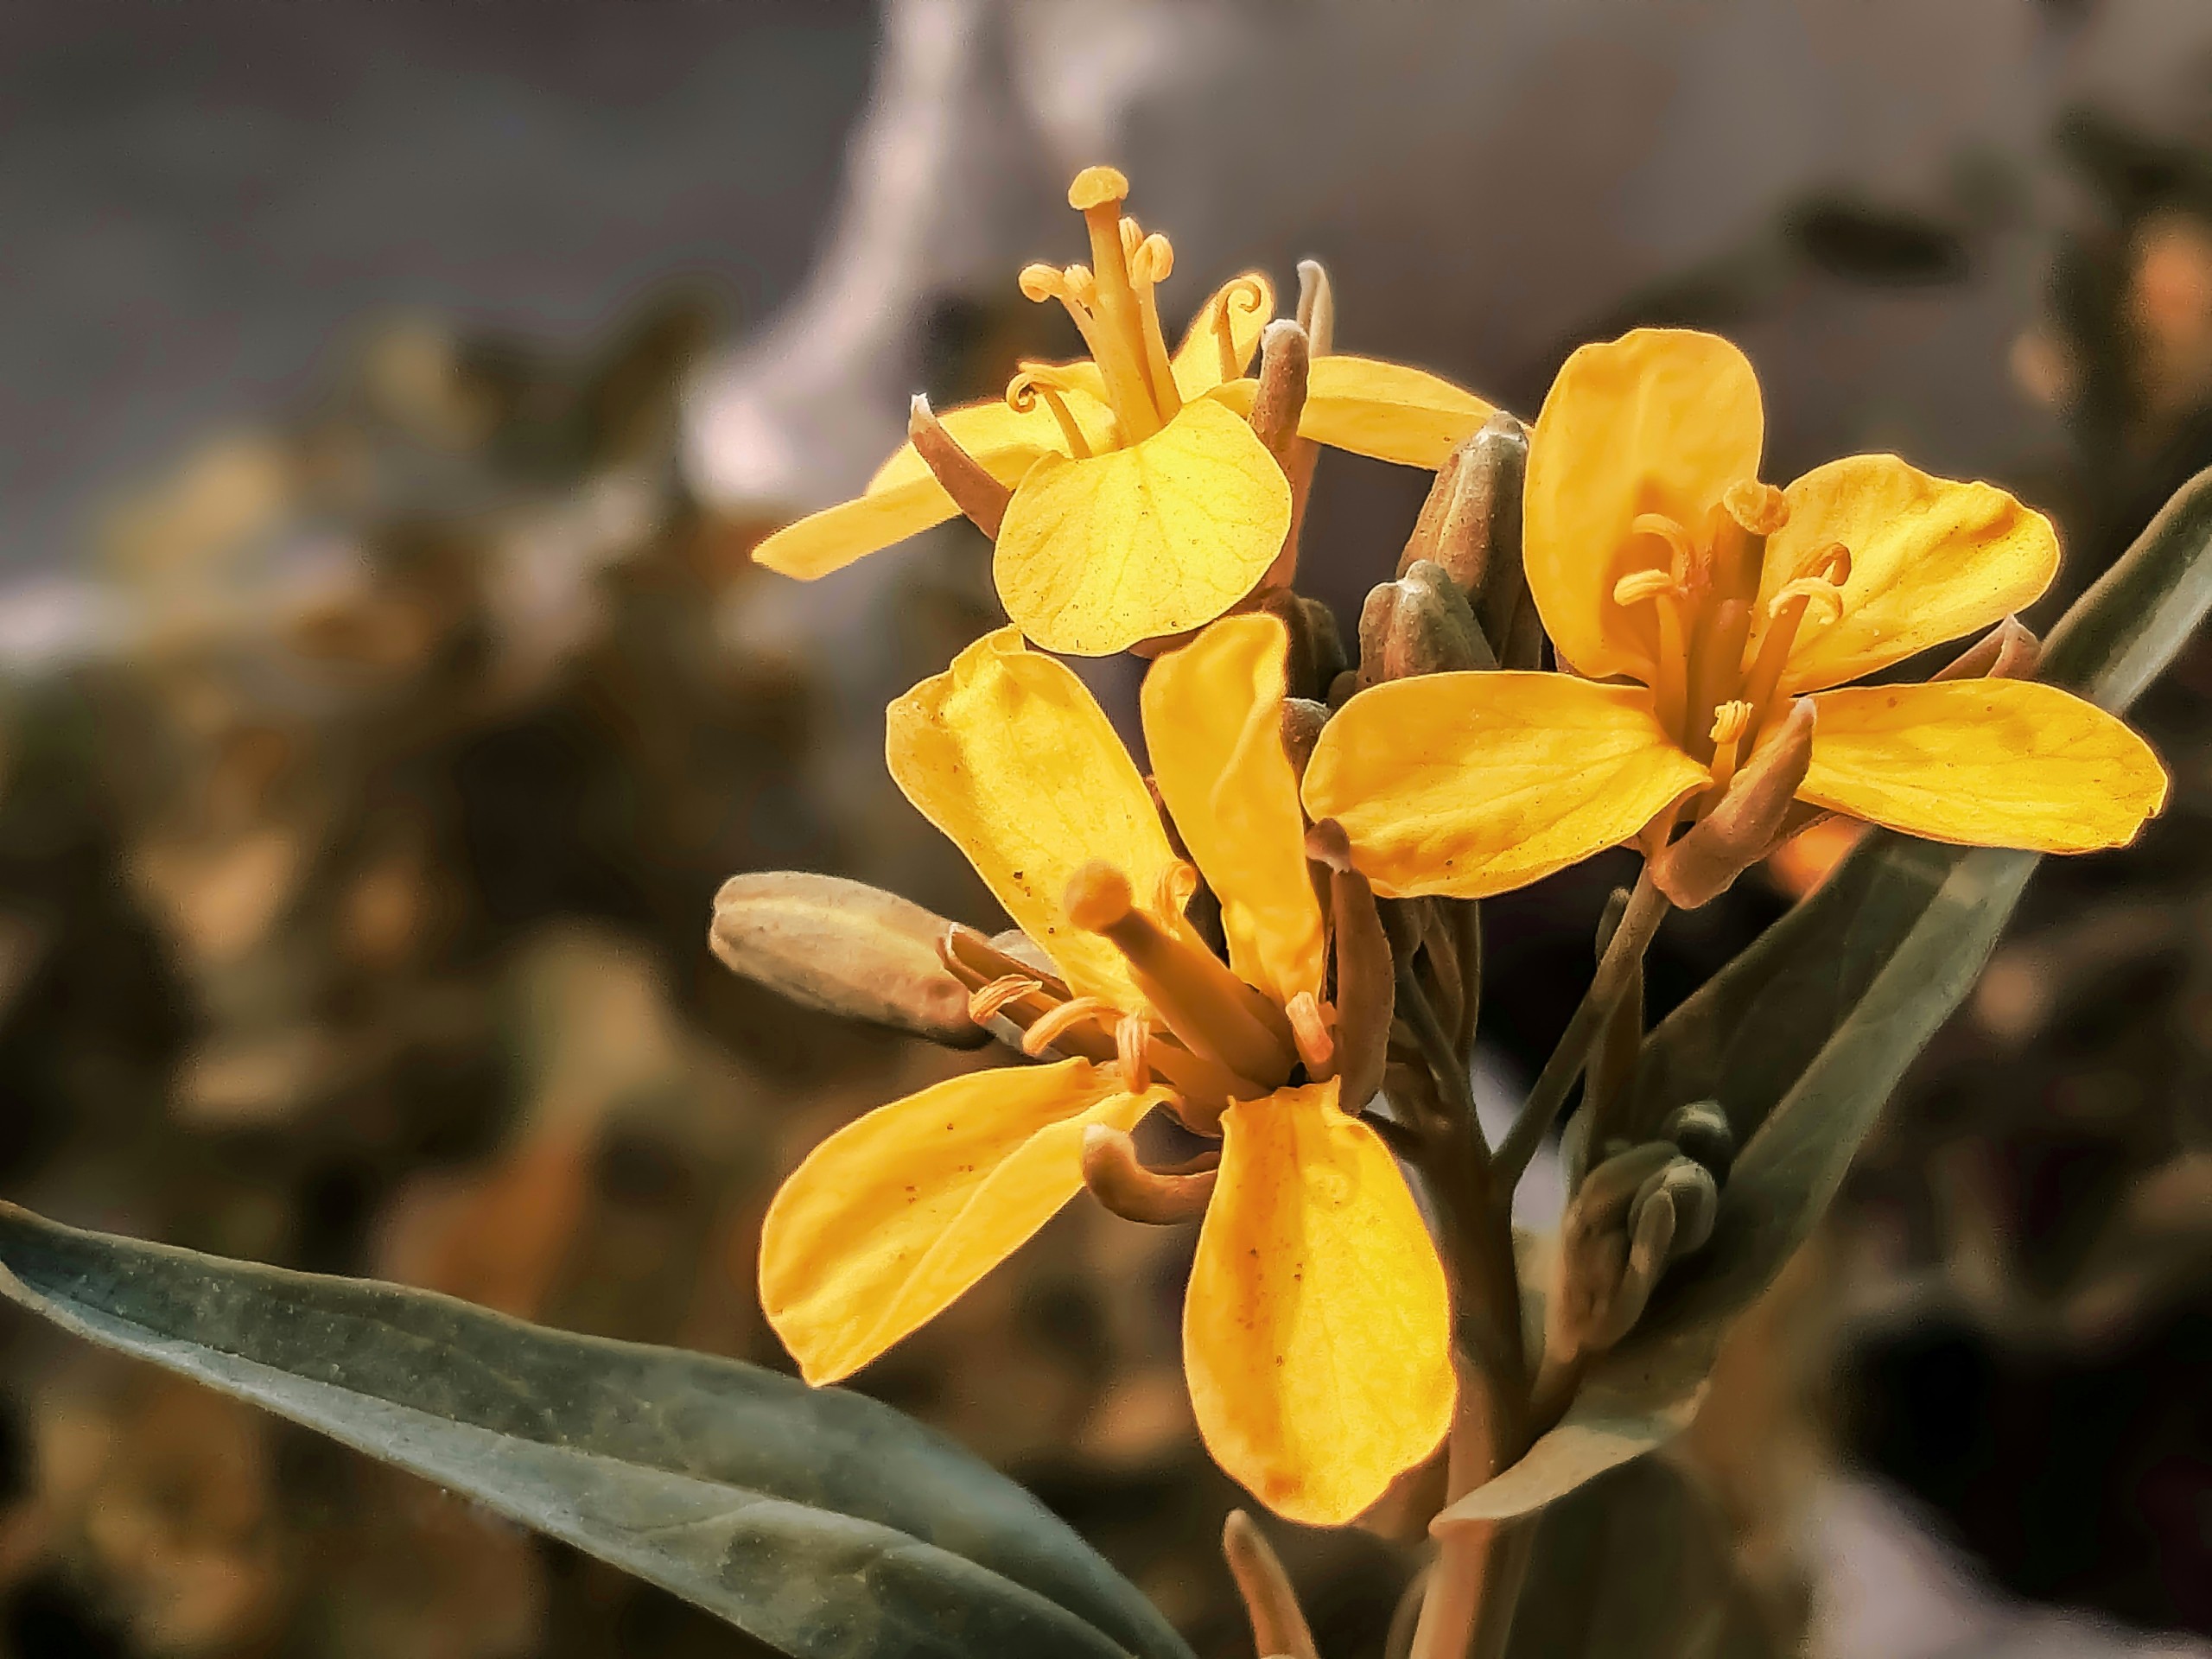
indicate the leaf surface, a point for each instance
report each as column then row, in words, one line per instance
column 820, row 1522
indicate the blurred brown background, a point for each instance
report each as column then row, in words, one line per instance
column 388, row 395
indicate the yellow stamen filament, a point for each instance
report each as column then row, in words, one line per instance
column 1682, row 551
column 1132, row 1036
column 1217, row 1015
column 1051, row 1027
column 1819, row 579
column 1022, row 393
column 1151, row 261
column 986, row 1003
column 1309, row 1029
column 1670, row 682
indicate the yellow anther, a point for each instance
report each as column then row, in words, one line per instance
column 1729, row 721
column 1041, row 282
column 987, row 1002
column 1051, row 1027
column 1037, row 382
column 1310, row 1030
column 1177, row 885
column 1082, row 287
column 1638, row 586
column 1814, row 591
column 1759, row 508
column 1096, row 186
column 1153, row 260
column 1132, row 1038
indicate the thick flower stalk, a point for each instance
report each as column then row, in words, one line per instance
column 1711, row 623
column 1142, row 504
column 1316, row 1329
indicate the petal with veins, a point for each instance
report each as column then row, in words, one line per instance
column 1474, row 784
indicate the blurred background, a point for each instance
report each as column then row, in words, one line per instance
column 389, row 395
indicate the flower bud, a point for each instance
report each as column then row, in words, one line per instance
column 1419, row 624
column 1700, row 1131
column 845, row 947
column 1470, row 524
column 1317, row 650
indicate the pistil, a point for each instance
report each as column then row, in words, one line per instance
column 1216, row 1014
column 1117, row 340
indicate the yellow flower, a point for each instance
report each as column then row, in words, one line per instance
column 1705, row 603
column 1315, row 1326
column 1143, row 505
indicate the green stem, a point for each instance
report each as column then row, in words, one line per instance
column 1647, row 907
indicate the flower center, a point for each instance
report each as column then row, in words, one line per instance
column 1112, row 302
column 1720, row 653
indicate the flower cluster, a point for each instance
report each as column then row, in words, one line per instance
column 1266, row 940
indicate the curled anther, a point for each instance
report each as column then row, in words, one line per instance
column 1814, row 593
column 1152, row 259
column 972, row 490
column 1747, row 821
column 1118, row 1179
column 1758, row 509
column 1049, row 1027
column 1310, row 1031
column 1682, row 553
column 1038, row 382
column 1729, row 721
column 987, row 1002
column 1640, row 586
column 1132, row 1041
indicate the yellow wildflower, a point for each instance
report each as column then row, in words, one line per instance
column 1707, row 603
column 1142, row 505
column 1316, row 1332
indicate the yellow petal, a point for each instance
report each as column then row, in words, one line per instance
column 1387, row 411
column 1473, row 783
column 1662, row 421
column 895, row 1216
column 1197, row 366
column 1988, row 763
column 1002, row 439
column 1316, row 1329
column 1213, row 720
column 1931, row 560
column 1154, row 539
column 1010, row 756
column 832, row 538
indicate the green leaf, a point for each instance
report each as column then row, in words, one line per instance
column 1636, row 1565
column 819, row 1522
column 1803, row 1036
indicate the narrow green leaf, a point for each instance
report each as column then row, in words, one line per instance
column 1803, row 1036
column 818, row 1520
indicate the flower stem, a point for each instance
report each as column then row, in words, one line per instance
column 1647, row 907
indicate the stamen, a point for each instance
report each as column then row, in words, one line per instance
column 1670, row 680
column 1132, row 1037
column 1309, row 1029
column 1215, row 1013
column 1824, row 571
column 1022, row 393
column 986, row 1004
column 1041, row 1035
column 1246, row 295
column 1684, row 554
column 1815, row 590
column 1640, row 585
column 1730, row 722
column 1151, row 260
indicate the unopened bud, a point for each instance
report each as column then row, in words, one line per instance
column 1470, row 524
column 1316, row 652
column 1748, row 821
column 1367, row 990
column 1119, row 1180
column 2007, row 651
column 1302, row 721
column 1701, row 1131
column 845, row 947
column 1281, row 397
column 1419, row 624
column 1693, row 1197
column 972, row 490
column 1594, row 1251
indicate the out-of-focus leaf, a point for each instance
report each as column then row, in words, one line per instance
column 1636, row 1565
column 846, row 948
column 1802, row 1038
column 822, row 1522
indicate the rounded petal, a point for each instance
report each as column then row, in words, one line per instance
column 1158, row 538
column 1010, row 755
column 832, row 538
column 1317, row 1326
column 1213, row 722
column 1474, row 784
column 1003, row 440
column 892, row 1218
column 1931, row 560
column 1197, row 365
column 1985, row 763
column 1662, row 420
column 1387, row 411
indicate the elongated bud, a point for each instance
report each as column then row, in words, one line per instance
column 1119, row 1180
column 1471, row 525
column 1367, row 988
column 973, row 490
column 1279, row 1628
column 1748, row 819
column 845, row 947
column 1302, row 720
column 2007, row 651
column 1280, row 397
column 1419, row 624
column 1594, row 1250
